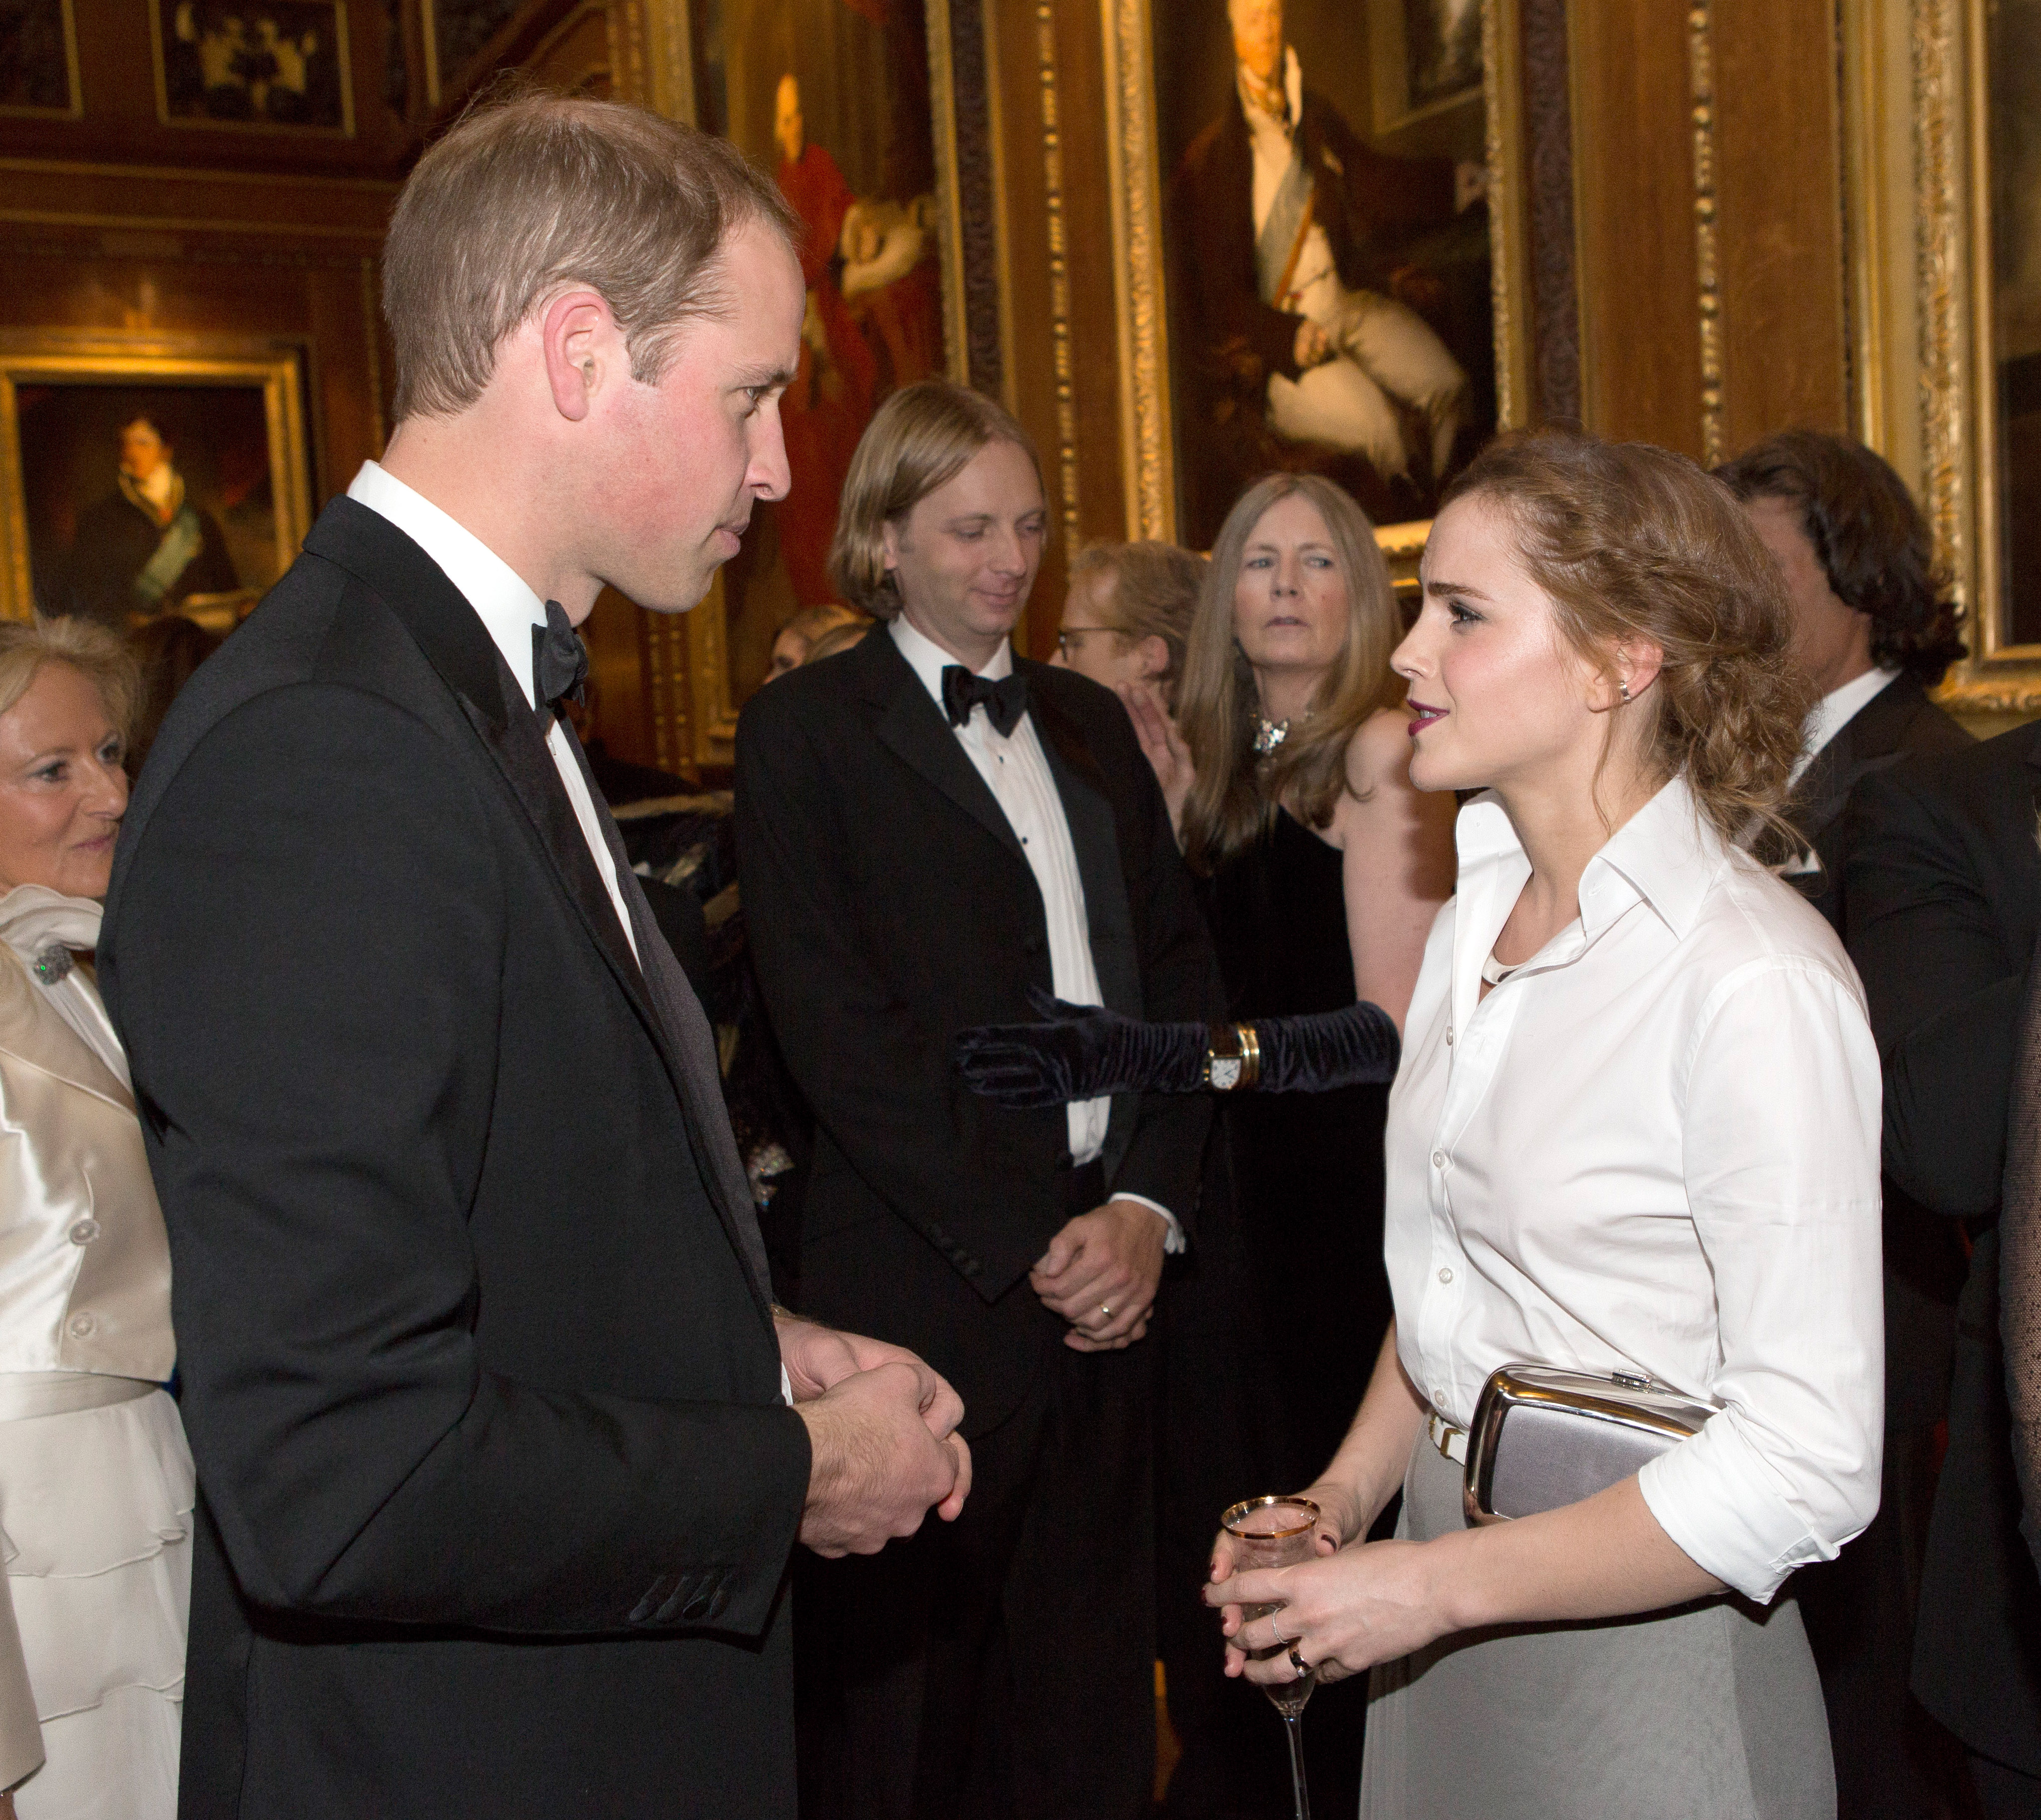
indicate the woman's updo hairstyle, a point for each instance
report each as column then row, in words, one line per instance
column 1631, row 542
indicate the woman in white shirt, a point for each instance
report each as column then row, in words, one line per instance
column 1635, row 1130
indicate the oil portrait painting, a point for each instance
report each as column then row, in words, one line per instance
column 261, row 63
column 831, row 97
column 1327, row 247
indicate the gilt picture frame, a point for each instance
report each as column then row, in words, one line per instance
column 229, row 410
column 1153, row 431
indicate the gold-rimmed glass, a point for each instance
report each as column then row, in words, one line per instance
column 1278, row 1532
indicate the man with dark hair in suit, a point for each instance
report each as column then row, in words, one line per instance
column 498, row 1477
column 1875, row 626
column 929, row 829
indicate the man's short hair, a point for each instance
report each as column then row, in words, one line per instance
column 531, row 193
column 923, row 437
column 1869, row 537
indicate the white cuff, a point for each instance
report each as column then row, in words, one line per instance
column 1175, row 1242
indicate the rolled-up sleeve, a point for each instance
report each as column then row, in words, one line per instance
column 1781, row 1169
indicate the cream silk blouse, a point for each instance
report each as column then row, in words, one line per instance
column 1655, row 1148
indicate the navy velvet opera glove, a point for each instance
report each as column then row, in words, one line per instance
column 1082, row 1051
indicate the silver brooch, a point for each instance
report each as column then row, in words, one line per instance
column 53, row 964
column 1268, row 735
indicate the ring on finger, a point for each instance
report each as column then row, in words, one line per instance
column 1276, row 1628
column 1298, row 1663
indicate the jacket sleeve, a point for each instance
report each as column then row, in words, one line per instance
column 1929, row 944
column 304, row 956
column 1179, row 981
column 967, row 1175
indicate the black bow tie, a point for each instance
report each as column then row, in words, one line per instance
column 560, row 660
column 1004, row 701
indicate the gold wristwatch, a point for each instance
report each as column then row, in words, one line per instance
column 1232, row 1058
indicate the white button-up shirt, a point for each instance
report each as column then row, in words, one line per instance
column 509, row 609
column 1016, row 771
column 1655, row 1148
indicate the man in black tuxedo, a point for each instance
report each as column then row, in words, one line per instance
column 1876, row 629
column 927, row 828
column 1944, row 888
column 498, row 1477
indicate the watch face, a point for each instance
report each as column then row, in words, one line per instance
column 1226, row 1073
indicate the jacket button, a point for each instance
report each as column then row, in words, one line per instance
column 84, row 1327
column 85, row 1232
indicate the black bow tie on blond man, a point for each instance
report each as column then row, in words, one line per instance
column 1004, row 701
column 560, row 660
column 1083, row 1052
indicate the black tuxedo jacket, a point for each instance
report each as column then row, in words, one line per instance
column 890, row 905
column 1369, row 205
column 1944, row 895
column 497, row 1491
column 1898, row 722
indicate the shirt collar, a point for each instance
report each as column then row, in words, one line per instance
column 929, row 660
column 1836, row 709
column 1667, row 855
column 1293, row 90
column 501, row 600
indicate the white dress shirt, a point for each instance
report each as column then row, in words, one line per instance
column 1836, row 709
column 1016, row 771
column 509, row 609
column 1655, row 1148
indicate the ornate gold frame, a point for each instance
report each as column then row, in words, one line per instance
column 93, row 357
column 1146, row 434
column 1918, row 170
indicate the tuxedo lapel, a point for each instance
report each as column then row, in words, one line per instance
column 911, row 725
column 699, row 1075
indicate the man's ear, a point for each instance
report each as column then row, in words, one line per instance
column 1154, row 652
column 582, row 346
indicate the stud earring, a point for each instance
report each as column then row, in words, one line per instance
column 1625, row 687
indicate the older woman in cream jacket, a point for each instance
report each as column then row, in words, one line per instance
column 95, row 1478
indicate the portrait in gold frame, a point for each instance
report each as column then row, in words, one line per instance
column 121, row 375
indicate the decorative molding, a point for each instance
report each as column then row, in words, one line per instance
column 1941, row 261
column 1502, row 98
column 1145, row 433
column 1059, row 273
column 1554, row 328
column 949, row 207
column 1701, row 79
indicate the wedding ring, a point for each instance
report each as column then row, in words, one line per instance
column 1298, row 1663
column 1276, row 1628
column 1106, row 1310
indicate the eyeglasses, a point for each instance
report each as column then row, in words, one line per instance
column 1071, row 636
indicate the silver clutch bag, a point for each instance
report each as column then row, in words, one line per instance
column 1542, row 1437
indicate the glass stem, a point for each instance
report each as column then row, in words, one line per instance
column 1293, row 1729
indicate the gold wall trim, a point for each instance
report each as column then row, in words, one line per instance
column 181, row 224
column 1509, row 237
column 74, row 108
column 1135, row 189
column 98, row 357
column 949, row 204
column 1701, row 79
column 189, row 173
column 1941, row 277
column 1059, row 273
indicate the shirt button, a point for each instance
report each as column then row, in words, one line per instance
column 1449, row 1037
column 83, row 1326
column 1438, row 1159
column 1446, row 1273
column 85, row 1232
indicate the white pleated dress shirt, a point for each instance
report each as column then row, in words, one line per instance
column 509, row 609
column 1655, row 1148
column 1016, row 771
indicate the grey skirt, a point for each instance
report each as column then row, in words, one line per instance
column 1711, row 1711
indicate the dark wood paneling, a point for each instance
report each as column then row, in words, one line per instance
column 1633, row 176
column 1780, row 190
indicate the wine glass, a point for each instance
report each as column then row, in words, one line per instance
column 1278, row 1532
